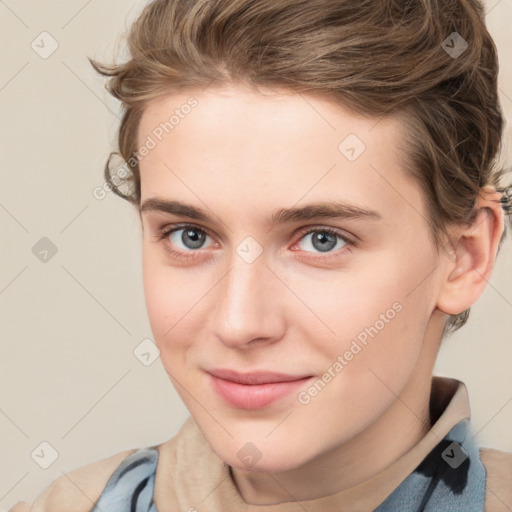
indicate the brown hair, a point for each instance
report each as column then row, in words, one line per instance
column 376, row 57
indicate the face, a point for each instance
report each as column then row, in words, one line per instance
column 298, row 246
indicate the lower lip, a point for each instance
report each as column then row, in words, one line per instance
column 254, row 396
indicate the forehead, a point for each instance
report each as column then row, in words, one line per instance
column 262, row 114
column 272, row 147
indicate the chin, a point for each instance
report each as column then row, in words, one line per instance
column 267, row 457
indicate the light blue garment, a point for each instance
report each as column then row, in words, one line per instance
column 450, row 479
column 130, row 488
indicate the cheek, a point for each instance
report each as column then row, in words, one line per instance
column 376, row 319
column 347, row 305
column 176, row 302
column 154, row 293
column 164, row 298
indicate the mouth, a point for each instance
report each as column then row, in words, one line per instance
column 254, row 390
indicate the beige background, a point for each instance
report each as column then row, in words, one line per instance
column 68, row 375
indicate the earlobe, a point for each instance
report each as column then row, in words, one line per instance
column 468, row 272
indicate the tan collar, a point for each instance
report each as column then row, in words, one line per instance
column 190, row 475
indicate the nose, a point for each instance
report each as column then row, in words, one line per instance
column 248, row 305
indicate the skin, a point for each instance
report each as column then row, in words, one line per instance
column 241, row 155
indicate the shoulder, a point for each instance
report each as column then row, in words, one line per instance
column 80, row 489
column 498, row 468
column 77, row 490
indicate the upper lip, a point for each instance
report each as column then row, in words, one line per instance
column 256, row 377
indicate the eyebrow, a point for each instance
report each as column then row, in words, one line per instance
column 328, row 210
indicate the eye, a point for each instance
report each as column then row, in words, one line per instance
column 185, row 241
column 191, row 237
column 188, row 239
column 323, row 240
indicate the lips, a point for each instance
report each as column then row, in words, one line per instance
column 254, row 390
column 256, row 377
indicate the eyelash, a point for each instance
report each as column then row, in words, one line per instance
column 191, row 255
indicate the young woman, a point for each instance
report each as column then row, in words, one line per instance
column 320, row 206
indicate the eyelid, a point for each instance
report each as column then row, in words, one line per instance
column 166, row 230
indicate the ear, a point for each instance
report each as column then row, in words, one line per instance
column 474, row 250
